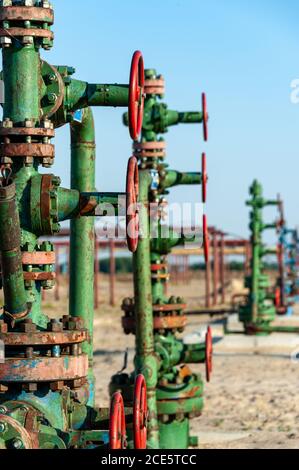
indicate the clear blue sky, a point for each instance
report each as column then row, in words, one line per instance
column 244, row 54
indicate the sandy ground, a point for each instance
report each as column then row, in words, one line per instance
column 252, row 401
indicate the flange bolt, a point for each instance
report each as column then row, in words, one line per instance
column 2, row 427
column 17, row 443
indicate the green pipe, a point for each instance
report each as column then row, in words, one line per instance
column 145, row 360
column 175, row 117
column 175, row 178
column 72, row 203
column 82, row 238
column 21, row 75
column 105, row 204
column 173, row 351
column 272, row 202
column 82, row 94
column 11, row 257
column 269, row 226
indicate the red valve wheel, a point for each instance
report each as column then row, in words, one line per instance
column 204, row 177
column 117, row 423
column 209, row 354
column 140, row 413
column 136, row 95
column 205, row 116
column 132, row 190
column 206, row 244
column 277, row 297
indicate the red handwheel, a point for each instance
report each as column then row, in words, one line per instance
column 117, row 423
column 205, row 116
column 140, row 413
column 209, row 354
column 136, row 95
column 277, row 297
column 206, row 244
column 204, row 177
column 132, row 189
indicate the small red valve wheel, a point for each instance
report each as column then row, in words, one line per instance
column 132, row 190
column 136, row 95
column 206, row 243
column 204, row 177
column 277, row 297
column 140, row 413
column 209, row 354
column 205, row 116
column 117, row 423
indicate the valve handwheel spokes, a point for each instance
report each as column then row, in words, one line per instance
column 132, row 216
column 205, row 116
column 140, row 413
column 117, row 423
column 136, row 95
column 204, row 177
column 206, row 244
column 209, row 354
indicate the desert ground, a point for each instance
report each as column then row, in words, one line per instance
column 252, row 400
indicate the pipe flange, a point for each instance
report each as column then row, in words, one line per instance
column 15, row 18
column 55, row 89
column 14, row 434
column 155, row 86
column 156, row 149
column 48, row 338
column 161, row 323
column 49, row 204
column 35, row 132
column 43, row 369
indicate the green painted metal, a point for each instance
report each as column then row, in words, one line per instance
column 21, row 76
column 259, row 311
column 82, row 239
column 10, row 239
column 47, row 380
column 157, row 117
column 145, row 359
column 175, row 394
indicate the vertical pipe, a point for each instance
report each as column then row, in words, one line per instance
column 21, row 75
column 96, row 274
column 81, row 302
column 166, row 283
column 22, row 94
column 255, row 267
column 112, row 273
column 15, row 303
column 145, row 360
column 57, row 285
